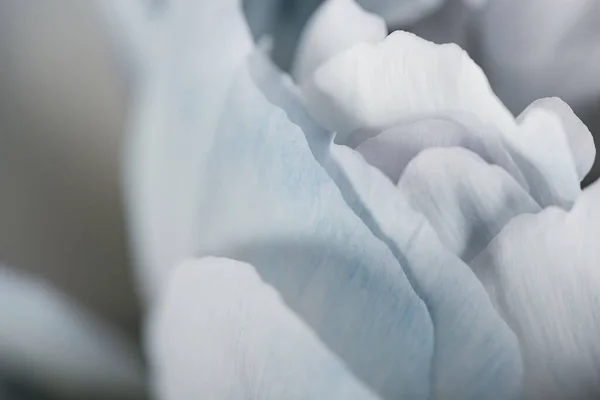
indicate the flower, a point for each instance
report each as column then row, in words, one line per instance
column 381, row 265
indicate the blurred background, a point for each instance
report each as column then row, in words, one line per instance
column 62, row 114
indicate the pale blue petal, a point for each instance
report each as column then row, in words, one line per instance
column 50, row 341
column 269, row 202
column 220, row 332
column 542, row 273
column 466, row 200
column 476, row 354
column 401, row 12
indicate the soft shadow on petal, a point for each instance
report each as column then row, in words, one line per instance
column 370, row 88
column 336, row 26
column 56, row 345
column 393, row 149
column 476, row 355
column 466, row 200
column 171, row 130
column 220, row 332
column 267, row 187
column 542, row 273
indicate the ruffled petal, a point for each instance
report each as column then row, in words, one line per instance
column 466, row 200
column 268, row 202
column 49, row 341
column 542, row 274
column 370, row 88
column 239, row 340
column 336, row 26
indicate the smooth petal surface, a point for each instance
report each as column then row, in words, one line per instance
column 173, row 124
column 239, row 341
column 268, row 202
column 401, row 12
column 374, row 87
column 393, row 149
column 579, row 137
column 47, row 340
column 542, row 273
column 466, row 200
column 335, row 26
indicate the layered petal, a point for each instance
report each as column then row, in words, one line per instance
column 49, row 341
column 542, row 273
column 335, row 26
column 268, row 202
column 239, row 341
column 466, row 200
column 370, row 88
column 401, row 12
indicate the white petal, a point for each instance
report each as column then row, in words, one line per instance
column 374, row 87
column 394, row 148
column 335, row 26
column 171, row 132
column 579, row 137
column 268, row 202
column 466, row 200
column 401, row 12
column 541, row 150
column 46, row 339
column 542, row 272
column 476, row 355
column 220, row 332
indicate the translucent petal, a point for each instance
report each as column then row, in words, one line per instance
column 466, row 200
column 50, row 341
column 401, row 12
column 268, row 202
column 239, row 341
column 335, row 26
column 542, row 274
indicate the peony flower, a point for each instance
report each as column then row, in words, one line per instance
column 381, row 228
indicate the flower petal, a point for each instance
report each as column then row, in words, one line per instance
column 269, row 203
column 393, row 149
column 374, row 87
column 466, row 200
column 476, row 355
column 542, row 273
column 336, row 26
column 541, row 150
column 48, row 340
column 579, row 137
column 238, row 341
column 171, row 131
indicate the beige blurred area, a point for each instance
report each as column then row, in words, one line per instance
column 61, row 123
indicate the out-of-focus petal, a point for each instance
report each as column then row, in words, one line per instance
column 579, row 137
column 466, row 200
column 336, row 26
column 542, row 273
column 476, row 354
column 370, row 88
column 48, row 340
column 220, row 332
column 268, row 202
column 541, row 150
column 171, row 131
column 394, row 148
column 401, row 12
